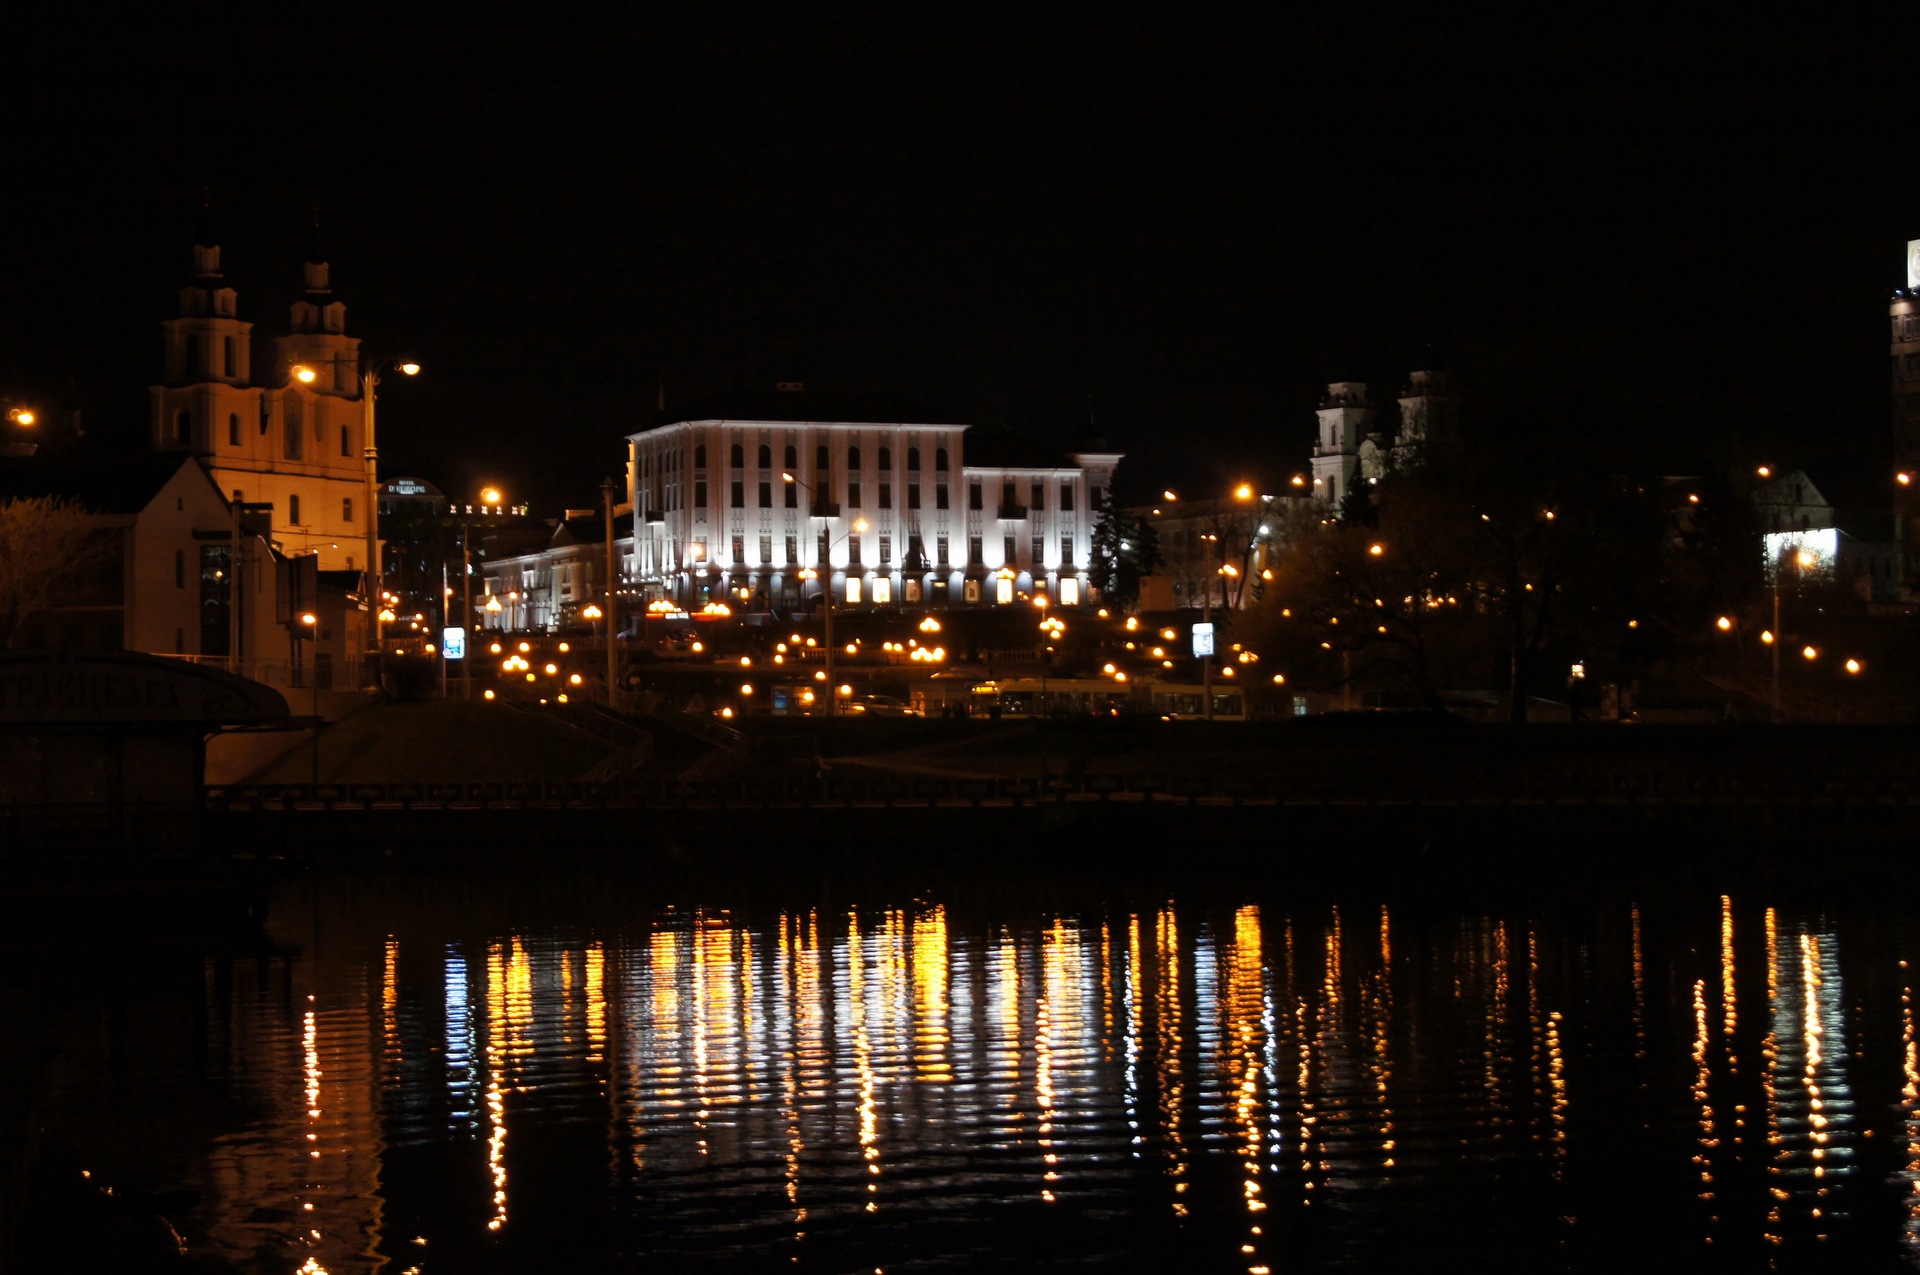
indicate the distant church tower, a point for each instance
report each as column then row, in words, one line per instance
column 1346, row 421
column 1429, row 419
column 273, row 439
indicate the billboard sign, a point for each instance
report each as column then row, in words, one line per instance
column 1202, row 640
column 453, row 642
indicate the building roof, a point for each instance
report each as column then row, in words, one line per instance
column 993, row 447
column 105, row 482
column 800, row 406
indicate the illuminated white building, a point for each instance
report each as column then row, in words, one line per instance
column 892, row 513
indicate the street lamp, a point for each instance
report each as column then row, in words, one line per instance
column 1803, row 559
column 369, row 386
column 490, row 500
column 826, row 582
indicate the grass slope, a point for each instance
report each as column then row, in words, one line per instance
column 444, row 741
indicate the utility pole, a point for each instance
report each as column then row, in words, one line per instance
column 1776, row 641
column 1206, row 618
column 466, row 601
column 606, row 492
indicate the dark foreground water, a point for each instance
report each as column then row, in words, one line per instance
column 457, row 1076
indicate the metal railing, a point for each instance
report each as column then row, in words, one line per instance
column 753, row 791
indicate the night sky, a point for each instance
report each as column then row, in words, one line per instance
column 1179, row 225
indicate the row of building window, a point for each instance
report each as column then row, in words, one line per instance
column 976, row 498
column 822, row 458
column 916, row 558
column 293, row 509
column 294, row 433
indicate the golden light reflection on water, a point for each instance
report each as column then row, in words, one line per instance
column 882, row 1062
column 1910, row 1110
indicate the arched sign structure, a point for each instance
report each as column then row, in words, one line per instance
column 117, row 726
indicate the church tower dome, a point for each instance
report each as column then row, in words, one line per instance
column 317, row 331
column 208, row 354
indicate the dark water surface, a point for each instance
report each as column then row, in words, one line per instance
column 473, row 1075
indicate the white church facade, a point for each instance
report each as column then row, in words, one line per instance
column 1350, row 452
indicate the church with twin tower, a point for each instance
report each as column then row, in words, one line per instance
column 291, row 433
column 1349, row 452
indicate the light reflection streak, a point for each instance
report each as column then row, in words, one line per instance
column 1702, row 1077
column 1729, row 1016
column 901, row 1039
column 1910, row 1112
column 1043, row 1058
column 497, row 1047
column 1382, row 1062
column 310, row 1074
column 596, row 984
column 933, row 1037
column 460, row 1042
column 1557, row 1082
column 1172, row 1049
column 1639, row 990
column 868, row 1110
column 1778, row 1020
column 1134, row 1018
column 390, row 1006
column 1249, row 1009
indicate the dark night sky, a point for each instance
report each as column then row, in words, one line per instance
column 1196, row 221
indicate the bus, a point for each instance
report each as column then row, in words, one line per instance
column 1022, row 697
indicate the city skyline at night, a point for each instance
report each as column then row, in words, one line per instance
column 1167, row 235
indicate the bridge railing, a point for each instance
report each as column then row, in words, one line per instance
column 761, row 790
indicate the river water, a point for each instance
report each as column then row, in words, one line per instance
column 433, row 1076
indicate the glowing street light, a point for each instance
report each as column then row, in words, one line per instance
column 1724, row 624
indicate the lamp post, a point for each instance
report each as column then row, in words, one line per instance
column 309, row 621
column 369, row 387
column 490, row 499
column 606, row 494
column 826, row 589
column 1803, row 560
column 1206, row 617
column 369, row 392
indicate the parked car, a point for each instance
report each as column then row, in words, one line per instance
column 880, row 706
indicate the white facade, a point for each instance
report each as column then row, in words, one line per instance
column 1346, row 423
column 890, row 514
column 1348, row 451
column 270, row 438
